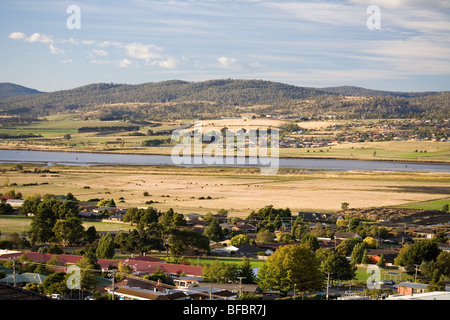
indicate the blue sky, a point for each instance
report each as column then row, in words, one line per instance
column 313, row 43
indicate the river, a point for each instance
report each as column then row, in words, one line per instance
column 88, row 159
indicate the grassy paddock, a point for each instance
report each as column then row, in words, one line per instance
column 239, row 190
column 14, row 223
column 427, row 205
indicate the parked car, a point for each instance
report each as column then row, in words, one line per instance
column 390, row 282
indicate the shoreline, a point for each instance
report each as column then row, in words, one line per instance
column 100, row 152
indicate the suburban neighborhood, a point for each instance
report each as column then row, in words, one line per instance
column 172, row 256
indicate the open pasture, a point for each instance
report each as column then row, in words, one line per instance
column 239, row 190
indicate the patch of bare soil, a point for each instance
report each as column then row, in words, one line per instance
column 399, row 215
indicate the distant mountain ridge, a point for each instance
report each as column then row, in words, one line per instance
column 227, row 97
column 364, row 92
column 8, row 90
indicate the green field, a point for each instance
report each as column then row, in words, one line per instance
column 10, row 224
column 387, row 150
column 52, row 130
column 427, row 205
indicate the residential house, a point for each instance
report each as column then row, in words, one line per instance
column 316, row 216
column 9, row 293
column 444, row 246
column 23, row 278
column 136, row 293
column 65, row 259
column 426, row 233
column 171, row 270
column 409, row 288
column 346, row 235
column 244, row 249
column 388, row 256
column 186, row 282
column 244, row 228
column 15, row 203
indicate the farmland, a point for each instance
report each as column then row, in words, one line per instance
column 239, row 190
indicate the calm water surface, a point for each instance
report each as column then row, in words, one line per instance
column 88, row 159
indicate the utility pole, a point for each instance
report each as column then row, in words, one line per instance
column 328, row 283
column 14, row 269
column 415, row 276
column 240, row 285
column 294, row 289
column 112, row 273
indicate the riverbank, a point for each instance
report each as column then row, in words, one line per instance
column 51, row 158
column 397, row 151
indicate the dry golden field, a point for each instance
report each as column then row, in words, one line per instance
column 203, row 190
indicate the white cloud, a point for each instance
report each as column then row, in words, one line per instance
column 41, row 38
column 88, row 42
column 67, row 61
column 405, row 4
column 229, row 63
column 16, row 35
column 141, row 51
column 124, row 63
column 55, row 50
column 99, row 52
column 169, row 63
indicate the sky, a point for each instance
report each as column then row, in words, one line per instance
column 396, row 45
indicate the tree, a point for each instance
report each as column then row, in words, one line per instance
column 105, row 248
column 42, row 223
column 187, row 240
column 91, row 234
column 289, row 265
column 339, row 267
column 346, row 247
column 269, row 213
column 68, row 231
column 423, row 250
column 358, row 253
column 240, row 239
column 171, row 219
column 344, row 205
column 222, row 212
column 264, row 236
column 5, row 208
column 310, row 241
column 213, row 231
column 246, row 271
column 143, row 239
column 30, row 204
column 371, row 242
column 106, row 203
column 88, row 264
column 55, row 283
column 159, row 275
column 219, row 272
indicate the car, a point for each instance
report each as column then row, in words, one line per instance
column 349, row 292
column 390, row 282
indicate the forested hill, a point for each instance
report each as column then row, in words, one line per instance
column 363, row 92
column 177, row 99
